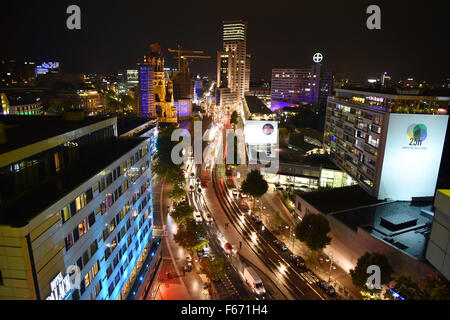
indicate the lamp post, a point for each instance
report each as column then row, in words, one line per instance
column 331, row 265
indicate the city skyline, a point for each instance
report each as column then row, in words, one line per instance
column 295, row 32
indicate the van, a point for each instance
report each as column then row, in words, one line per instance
column 254, row 281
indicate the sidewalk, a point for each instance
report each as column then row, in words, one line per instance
column 180, row 286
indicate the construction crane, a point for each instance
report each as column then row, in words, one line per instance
column 185, row 60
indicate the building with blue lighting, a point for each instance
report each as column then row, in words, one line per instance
column 82, row 202
column 145, row 89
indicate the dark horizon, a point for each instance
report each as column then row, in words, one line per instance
column 412, row 42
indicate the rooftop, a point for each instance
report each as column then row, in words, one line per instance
column 126, row 124
column 19, row 211
column 338, row 199
column 256, row 106
column 22, row 130
column 426, row 94
column 402, row 224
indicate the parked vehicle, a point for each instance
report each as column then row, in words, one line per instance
column 280, row 245
column 280, row 188
column 197, row 216
column 254, row 281
column 256, row 218
column 298, row 261
column 327, row 288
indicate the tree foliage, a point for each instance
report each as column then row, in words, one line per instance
column 277, row 219
column 191, row 236
column 254, row 184
column 359, row 274
column 177, row 193
column 213, row 267
column 313, row 231
column 163, row 164
column 182, row 212
column 432, row 287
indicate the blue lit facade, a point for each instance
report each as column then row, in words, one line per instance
column 146, row 95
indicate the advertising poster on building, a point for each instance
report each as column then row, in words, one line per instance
column 261, row 132
column 412, row 157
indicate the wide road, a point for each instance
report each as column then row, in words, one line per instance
column 300, row 284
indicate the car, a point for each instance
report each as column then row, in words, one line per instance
column 327, row 288
column 197, row 216
column 235, row 192
column 198, row 180
column 256, row 218
column 279, row 188
column 192, row 174
column 297, row 260
column 243, row 206
column 280, row 245
column 229, row 248
column 204, row 183
column 209, row 218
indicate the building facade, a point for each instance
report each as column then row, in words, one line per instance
column 82, row 203
column 304, row 85
column 390, row 144
column 127, row 79
column 438, row 248
column 232, row 71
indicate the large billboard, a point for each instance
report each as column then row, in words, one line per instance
column 412, row 156
column 261, row 132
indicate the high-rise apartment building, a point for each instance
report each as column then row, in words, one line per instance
column 74, row 196
column 232, row 72
column 127, row 79
column 391, row 144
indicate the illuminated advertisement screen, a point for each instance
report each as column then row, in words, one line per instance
column 412, row 156
column 261, row 132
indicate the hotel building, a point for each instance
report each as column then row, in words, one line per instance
column 390, row 143
column 303, row 85
column 75, row 208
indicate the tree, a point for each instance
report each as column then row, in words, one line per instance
column 432, row 287
column 182, row 212
column 177, row 193
column 436, row 287
column 359, row 274
column 164, row 145
column 191, row 236
column 254, row 185
column 277, row 219
column 234, row 119
column 313, row 231
column 213, row 267
column 407, row 288
column 176, row 176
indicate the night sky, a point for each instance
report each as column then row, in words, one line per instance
column 413, row 40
